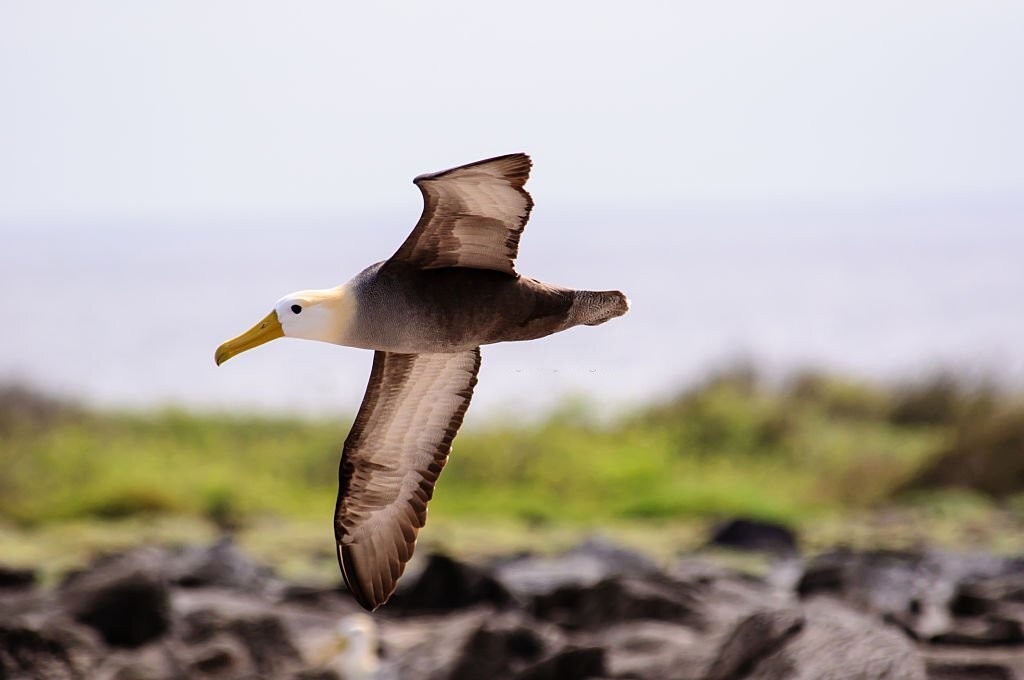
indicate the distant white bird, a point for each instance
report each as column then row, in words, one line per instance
column 350, row 649
column 451, row 287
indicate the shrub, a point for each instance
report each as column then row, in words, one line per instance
column 987, row 455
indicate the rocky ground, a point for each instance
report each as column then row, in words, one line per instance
column 597, row 611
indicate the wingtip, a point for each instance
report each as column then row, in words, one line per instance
column 518, row 165
column 348, row 573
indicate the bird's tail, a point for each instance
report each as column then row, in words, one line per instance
column 593, row 307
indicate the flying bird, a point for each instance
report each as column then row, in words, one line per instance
column 451, row 287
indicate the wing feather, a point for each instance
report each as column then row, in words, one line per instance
column 473, row 216
column 413, row 407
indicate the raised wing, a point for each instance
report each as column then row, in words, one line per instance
column 472, row 216
column 413, row 406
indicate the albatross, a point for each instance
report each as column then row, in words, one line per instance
column 451, row 287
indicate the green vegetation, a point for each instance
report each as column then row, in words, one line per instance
column 811, row 447
column 109, row 466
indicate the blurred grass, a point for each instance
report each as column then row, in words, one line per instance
column 937, row 462
column 727, row 447
column 813, row 445
column 115, row 465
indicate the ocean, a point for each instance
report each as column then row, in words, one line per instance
column 128, row 314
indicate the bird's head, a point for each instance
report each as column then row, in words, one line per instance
column 310, row 314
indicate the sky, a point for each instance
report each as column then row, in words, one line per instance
column 240, row 110
column 837, row 184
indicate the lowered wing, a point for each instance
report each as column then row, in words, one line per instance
column 413, row 407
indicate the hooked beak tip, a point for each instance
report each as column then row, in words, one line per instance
column 266, row 330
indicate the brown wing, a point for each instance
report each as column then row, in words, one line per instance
column 398, row 445
column 472, row 216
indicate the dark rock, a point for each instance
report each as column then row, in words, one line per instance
column 12, row 577
column 255, row 633
column 614, row 558
column 425, row 646
column 755, row 535
column 983, row 630
column 588, row 563
column 913, row 589
column 475, row 643
column 969, row 671
column 573, row 663
column 317, row 674
column 125, row 599
column 201, row 625
column 493, row 650
column 618, row 599
column 268, row 642
column 654, row 649
column 826, row 574
column 833, row 643
column 724, row 595
column 595, row 611
column 680, row 650
column 222, row 565
column 446, row 584
column 157, row 661
column 17, row 601
column 216, row 660
column 996, row 594
column 757, row 636
column 314, row 596
column 51, row 652
column 973, row 600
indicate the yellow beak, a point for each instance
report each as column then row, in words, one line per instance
column 264, row 331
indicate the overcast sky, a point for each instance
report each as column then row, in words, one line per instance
column 140, row 140
column 136, row 110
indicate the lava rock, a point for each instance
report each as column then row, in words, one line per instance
column 475, row 643
column 614, row 558
column 596, row 610
column 833, row 643
column 587, row 564
column 13, row 577
column 125, row 599
column 253, row 637
column 51, row 652
column 725, row 596
column 446, row 584
column 916, row 590
column 219, row 659
column 494, row 649
column 978, row 596
column 756, row 536
column 221, row 565
column 654, row 649
column 201, row 625
column 328, row 598
column 573, row 663
column 757, row 636
column 268, row 642
column 317, row 674
column 618, row 599
column 969, row 671
column 982, row 630
column 157, row 661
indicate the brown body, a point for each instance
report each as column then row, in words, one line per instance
column 401, row 308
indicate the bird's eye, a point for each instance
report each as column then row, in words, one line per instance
column 296, row 309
